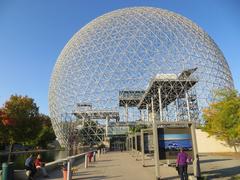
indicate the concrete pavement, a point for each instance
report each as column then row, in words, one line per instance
column 117, row 166
column 124, row 166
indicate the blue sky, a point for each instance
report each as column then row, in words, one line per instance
column 33, row 33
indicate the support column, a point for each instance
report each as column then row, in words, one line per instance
column 166, row 116
column 132, row 144
column 126, row 113
column 147, row 112
column 98, row 153
column 135, row 136
column 177, row 109
column 155, row 141
column 160, row 104
column 106, row 127
column 188, row 109
column 142, row 147
column 196, row 162
column 142, row 115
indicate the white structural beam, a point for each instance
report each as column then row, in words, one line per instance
column 188, row 109
column 155, row 140
column 176, row 103
column 147, row 112
column 160, row 104
column 126, row 113
column 142, row 115
column 196, row 162
column 142, row 147
column 106, row 127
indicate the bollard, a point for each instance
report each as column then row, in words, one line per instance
column 64, row 171
column 94, row 156
column 69, row 172
column 7, row 171
column 86, row 161
column 64, row 174
column 98, row 152
column 198, row 170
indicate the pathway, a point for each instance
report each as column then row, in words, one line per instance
column 117, row 166
column 123, row 166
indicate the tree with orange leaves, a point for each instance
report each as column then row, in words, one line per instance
column 19, row 121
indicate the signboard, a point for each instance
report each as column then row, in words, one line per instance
column 148, row 142
column 170, row 140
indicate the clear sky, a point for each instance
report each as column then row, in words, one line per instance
column 33, row 33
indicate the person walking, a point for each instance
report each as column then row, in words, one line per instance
column 90, row 155
column 182, row 164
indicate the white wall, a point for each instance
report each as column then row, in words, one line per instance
column 211, row 144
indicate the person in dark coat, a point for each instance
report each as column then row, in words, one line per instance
column 30, row 167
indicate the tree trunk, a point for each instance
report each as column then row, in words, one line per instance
column 10, row 152
column 235, row 147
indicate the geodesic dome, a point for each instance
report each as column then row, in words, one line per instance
column 121, row 51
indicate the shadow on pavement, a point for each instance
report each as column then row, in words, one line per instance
column 105, row 160
column 225, row 172
column 169, row 178
column 96, row 177
column 53, row 175
column 152, row 165
column 105, row 166
column 81, row 173
column 213, row 160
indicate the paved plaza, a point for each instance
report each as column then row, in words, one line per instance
column 220, row 166
column 124, row 166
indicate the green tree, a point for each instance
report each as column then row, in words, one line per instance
column 222, row 117
column 46, row 134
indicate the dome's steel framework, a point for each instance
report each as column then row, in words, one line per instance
column 118, row 53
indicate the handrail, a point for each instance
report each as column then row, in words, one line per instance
column 68, row 158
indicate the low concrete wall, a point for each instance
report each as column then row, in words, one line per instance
column 21, row 174
column 208, row 144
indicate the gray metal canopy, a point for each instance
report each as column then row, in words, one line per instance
column 97, row 114
column 171, row 87
column 131, row 98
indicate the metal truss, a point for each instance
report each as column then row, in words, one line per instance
column 91, row 133
column 121, row 51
